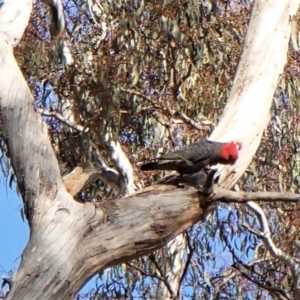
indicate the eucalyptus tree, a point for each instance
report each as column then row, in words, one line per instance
column 92, row 89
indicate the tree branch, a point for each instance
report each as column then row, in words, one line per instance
column 57, row 25
column 108, row 175
column 159, row 107
column 213, row 193
column 238, row 264
column 279, row 293
column 80, row 177
column 61, row 118
column 30, row 150
column 190, row 253
column 13, row 20
column 247, row 111
column 220, row 194
column 145, row 273
column 165, row 280
column 285, row 258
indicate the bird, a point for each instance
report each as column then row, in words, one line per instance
column 195, row 157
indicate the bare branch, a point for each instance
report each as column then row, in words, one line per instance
column 190, row 253
column 145, row 273
column 109, row 175
column 247, row 111
column 57, row 17
column 279, row 293
column 240, row 266
column 234, row 272
column 276, row 252
column 61, row 118
column 30, row 150
column 255, row 232
column 159, row 107
column 187, row 120
column 137, row 93
column 161, row 275
column 220, row 194
column 203, row 182
column 122, row 164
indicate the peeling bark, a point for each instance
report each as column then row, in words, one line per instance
column 74, row 239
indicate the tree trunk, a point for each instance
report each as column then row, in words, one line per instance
column 75, row 241
column 247, row 112
column 70, row 241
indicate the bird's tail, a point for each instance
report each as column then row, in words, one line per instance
column 149, row 166
column 159, row 165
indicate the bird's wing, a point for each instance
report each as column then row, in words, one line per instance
column 194, row 152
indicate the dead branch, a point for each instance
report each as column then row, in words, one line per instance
column 222, row 195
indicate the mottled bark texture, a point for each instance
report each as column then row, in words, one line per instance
column 69, row 241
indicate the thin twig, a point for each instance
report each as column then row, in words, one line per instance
column 187, row 120
column 274, row 251
column 238, row 263
column 134, row 92
column 164, row 279
column 144, row 273
column 188, row 261
column 279, row 293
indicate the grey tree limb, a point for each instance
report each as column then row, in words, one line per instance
column 57, row 25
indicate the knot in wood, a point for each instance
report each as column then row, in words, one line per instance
column 158, row 228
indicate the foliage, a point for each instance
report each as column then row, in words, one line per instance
column 156, row 75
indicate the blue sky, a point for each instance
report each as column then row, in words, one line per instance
column 14, row 233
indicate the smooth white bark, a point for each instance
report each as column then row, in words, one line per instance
column 14, row 19
column 247, row 112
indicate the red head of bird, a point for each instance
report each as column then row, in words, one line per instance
column 229, row 152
